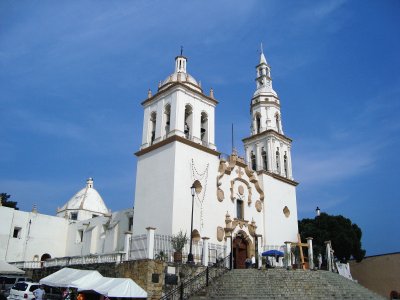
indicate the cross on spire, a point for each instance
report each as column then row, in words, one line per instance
column 181, row 50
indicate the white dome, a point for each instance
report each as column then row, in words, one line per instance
column 184, row 78
column 265, row 91
column 87, row 203
column 180, row 75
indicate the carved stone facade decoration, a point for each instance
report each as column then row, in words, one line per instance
column 232, row 225
column 286, row 212
column 241, row 189
column 220, row 195
column 226, row 167
column 220, row 233
column 258, row 205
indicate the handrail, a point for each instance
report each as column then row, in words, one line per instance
column 199, row 281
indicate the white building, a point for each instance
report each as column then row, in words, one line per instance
column 235, row 197
column 83, row 226
column 246, row 203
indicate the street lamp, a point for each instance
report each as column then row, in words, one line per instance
column 190, row 256
column 318, row 211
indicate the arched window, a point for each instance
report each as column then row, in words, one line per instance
column 278, row 124
column 204, row 127
column 264, row 159
column 258, row 123
column 278, row 158
column 239, row 209
column 253, row 161
column 167, row 118
column 153, row 119
column 285, row 164
column 188, row 121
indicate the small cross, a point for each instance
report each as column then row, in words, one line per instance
column 239, row 172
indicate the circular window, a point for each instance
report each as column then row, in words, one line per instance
column 286, row 212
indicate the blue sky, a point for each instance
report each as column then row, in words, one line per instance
column 73, row 74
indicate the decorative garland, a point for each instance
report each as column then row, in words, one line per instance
column 202, row 178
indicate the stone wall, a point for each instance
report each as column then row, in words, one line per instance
column 147, row 273
column 379, row 273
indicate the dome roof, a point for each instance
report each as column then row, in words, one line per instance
column 265, row 91
column 87, row 199
column 180, row 75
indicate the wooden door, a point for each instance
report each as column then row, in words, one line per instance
column 239, row 253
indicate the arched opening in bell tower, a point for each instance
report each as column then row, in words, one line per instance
column 253, row 161
column 278, row 158
column 258, row 123
column 285, row 165
column 264, row 159
column 188, row 121
column 153, row 119
column 204, row 127
column 167, row 118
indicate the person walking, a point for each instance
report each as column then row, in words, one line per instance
column 39, row 293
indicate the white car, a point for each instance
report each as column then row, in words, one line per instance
column 8, row 281
column 23, row 290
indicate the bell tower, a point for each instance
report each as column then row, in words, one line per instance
column 268, row 153
column 267, row 148
column 178, row 139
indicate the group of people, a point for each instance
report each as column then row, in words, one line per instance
column 250, row 262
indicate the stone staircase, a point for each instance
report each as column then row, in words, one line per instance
column 283, row 284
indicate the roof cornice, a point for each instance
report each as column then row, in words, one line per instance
column 268, row 132
column 279, row 177
column 176, row 138
column 179, row 84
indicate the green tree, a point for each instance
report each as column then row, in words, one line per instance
column 344, row 235
column 7, row 203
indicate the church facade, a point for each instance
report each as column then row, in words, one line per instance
column 247, row 204
column 238, row 200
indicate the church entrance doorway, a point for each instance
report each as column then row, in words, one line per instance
column 239, row 252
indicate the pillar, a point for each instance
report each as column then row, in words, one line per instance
column 288, row 255
column 259, row 240
column 310, row 253
column 127, row 245
column 150, row 242
column 258, row 157
column 289, row 157
column 205, row 257
column 328, row 255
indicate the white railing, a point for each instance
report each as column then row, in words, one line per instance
column 138, row 247
column 70, row 261
column 162, row 243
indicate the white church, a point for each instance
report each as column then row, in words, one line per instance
column 247, row 204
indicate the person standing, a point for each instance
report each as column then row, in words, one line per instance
column 253, row 261
column 39, row 293
column 319, row 261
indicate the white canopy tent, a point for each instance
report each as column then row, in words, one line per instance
column 68, row 277
column 115, row 287
column 6, row 268
column 85, row 280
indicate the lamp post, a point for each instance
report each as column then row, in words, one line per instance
column 317, row 211
column 190, row 256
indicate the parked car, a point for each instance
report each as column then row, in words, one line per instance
column 8, row 281
column 23, row 290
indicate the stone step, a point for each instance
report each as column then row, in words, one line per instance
column 284, row 284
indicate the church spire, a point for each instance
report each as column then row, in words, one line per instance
column 263, row 76
column 262, row 57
